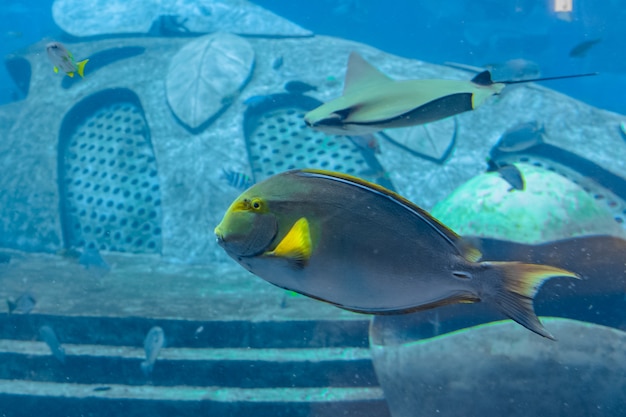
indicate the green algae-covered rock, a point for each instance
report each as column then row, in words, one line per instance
column 549, row 208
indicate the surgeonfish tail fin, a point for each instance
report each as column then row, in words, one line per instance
column 514, row 287
column 81, row 68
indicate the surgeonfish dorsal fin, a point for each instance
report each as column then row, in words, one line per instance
column 468, row 251
column 361, row 74
column 464, row 248
column 81, row 67
column 296, row 245
column 484, row 78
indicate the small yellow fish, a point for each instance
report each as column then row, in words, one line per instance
column 63, row 60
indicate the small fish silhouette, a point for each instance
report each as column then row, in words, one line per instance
column 237, row 180
column 24, row 304
column 153, row 343
column 47, row 335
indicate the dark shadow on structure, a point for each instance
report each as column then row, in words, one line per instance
column 20, row 70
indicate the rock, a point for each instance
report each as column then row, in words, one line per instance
column 503, row 369
column 205, row 76
column 82, row 18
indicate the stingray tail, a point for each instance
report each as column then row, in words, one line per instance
column 513, row 287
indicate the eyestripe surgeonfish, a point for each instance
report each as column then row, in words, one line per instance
column 361, row 247
column 372, row 101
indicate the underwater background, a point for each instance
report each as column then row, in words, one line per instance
column 129, row 127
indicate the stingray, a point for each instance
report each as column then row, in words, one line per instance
column 372, row 101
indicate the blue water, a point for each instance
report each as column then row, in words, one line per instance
column 118, row 165
column 473, row 33
column 482, row 32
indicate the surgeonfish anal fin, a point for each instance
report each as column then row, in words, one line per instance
column 296, row 245
column 56, row 69
column 513, row 287
column 361, row 74
column 484, row 78
column 81, row 68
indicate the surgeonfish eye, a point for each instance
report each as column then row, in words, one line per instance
column 256, row 204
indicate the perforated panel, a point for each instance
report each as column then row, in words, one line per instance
column 112, row 195
column 279, row 141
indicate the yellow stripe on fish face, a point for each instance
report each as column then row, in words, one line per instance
column 296, row 246
column 249, row 204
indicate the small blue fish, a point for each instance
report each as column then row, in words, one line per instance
column 521, row 136
column 581, row 49
column 299, row 87
column 47, row 335
column 153, row 343
column 278, row 63
column 237, row 180
column 509, row 173
column 24, row 304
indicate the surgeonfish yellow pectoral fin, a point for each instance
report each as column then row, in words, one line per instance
column 56, row 69
column 296, row 245
column 81, row 68
column 70, row 74
column 514, row 286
